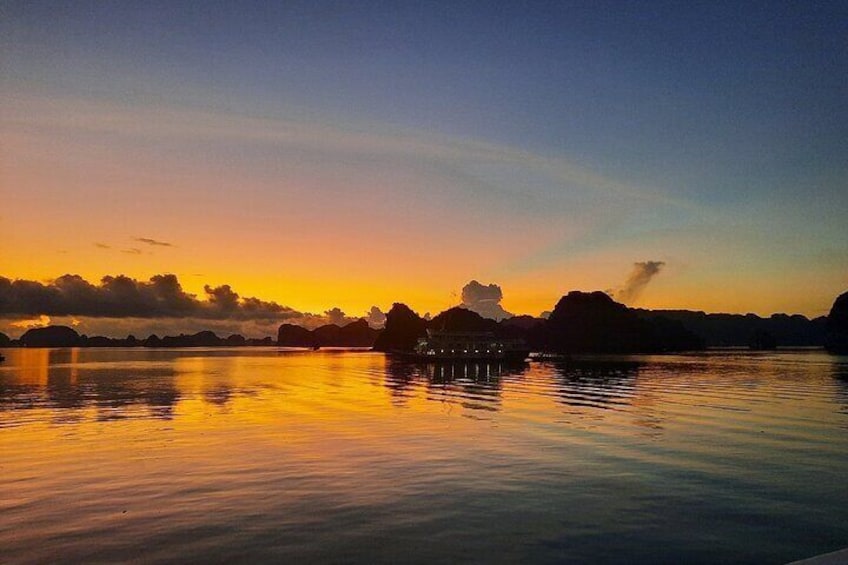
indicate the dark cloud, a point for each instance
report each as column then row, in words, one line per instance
column 485, row 300
column 120, row 305
column 640, row 276
column 117, row 297
column 222, row 297
column 153, row 242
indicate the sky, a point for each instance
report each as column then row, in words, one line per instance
column 321, row 155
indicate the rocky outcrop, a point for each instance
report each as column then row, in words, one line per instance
column 235, row 340
column 837, row 326
column 460, row 319
column 354, row 334
column 592, row 322
column 200, row 339
column 357, row 334
column 402, row 330
column 580, row 323
column 51, row 336
column 290, row 335
column 740, row 330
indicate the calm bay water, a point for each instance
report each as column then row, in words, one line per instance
column 268, row 455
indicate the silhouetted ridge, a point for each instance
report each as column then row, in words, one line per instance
column 580, row 323
column 459, row 319
column 402, row 330
column 235, row 340
column 745, row 330
column 592, row 322
column 51, row 336
column 290, row 335
column 837, row 326
column 357, row 334
column 354, row 334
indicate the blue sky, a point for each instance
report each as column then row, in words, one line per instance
column 710, row 135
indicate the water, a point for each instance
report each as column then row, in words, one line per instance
column 265, row 455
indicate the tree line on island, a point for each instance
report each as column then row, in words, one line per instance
column 581, row 322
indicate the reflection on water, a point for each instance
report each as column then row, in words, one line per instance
column 475, row 385
column 58, row 379
column 332, row 456
column 604, row 383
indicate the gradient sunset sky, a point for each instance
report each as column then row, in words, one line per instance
column 350, row 154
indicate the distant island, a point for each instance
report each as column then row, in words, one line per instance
column 581, row 322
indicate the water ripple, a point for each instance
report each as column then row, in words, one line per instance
column 266, row 455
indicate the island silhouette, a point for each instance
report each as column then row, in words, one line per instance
column 580, row 322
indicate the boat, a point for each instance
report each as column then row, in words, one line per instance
column 440, row 346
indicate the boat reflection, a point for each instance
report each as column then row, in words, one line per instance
column 476, row 385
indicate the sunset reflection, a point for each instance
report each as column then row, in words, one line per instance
column 326, row 436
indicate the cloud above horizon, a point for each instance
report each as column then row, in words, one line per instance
column 376, row 318
column 485, row 300
column 32, row 303
column 640, row 276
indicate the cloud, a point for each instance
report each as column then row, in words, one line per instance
column 338, row 317
column 132, row 251
column 39, row 322
column 223, row 297
column 153, row 242
column 640, row 276
column 485, row 300
column 119, row 296
column 119, row 305
column 375, row 317
column 102, row 245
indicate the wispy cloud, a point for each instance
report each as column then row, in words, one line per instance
column 469, row 160
column 102, row 245
column 153, row 242
column 640, row 276
column 132, row 251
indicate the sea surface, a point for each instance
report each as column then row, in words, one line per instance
column 267, row 455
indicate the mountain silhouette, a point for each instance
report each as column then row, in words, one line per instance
column 51, row 336
column 742, row 330
column 354, row 334
column 837, row 326
column 580, row 322
column 402, row 330
column 291, row 335
column 459, row 319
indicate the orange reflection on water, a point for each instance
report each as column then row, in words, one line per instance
column 131, row 445
column 36, row 365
